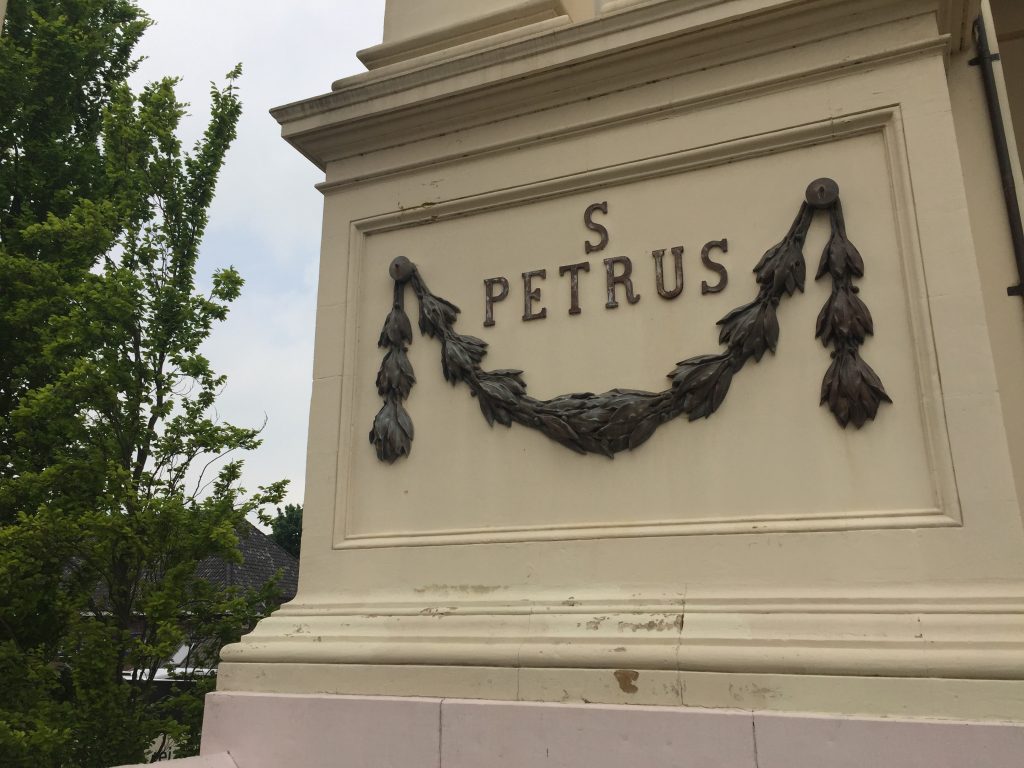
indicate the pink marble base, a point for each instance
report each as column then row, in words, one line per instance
column 275, row 730
column 218, row 760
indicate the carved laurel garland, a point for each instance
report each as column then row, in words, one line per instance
column 624, row 418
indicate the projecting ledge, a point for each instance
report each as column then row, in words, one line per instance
column 919, row 660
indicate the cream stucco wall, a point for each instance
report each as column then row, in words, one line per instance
column 1005, row 314
column 764, row 558
column 1008, row 18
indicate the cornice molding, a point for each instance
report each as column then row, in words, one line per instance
column 552, row 63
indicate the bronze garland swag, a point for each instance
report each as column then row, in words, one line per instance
column 623, row 418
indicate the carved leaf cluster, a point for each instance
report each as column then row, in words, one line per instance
column 840, row 258
column 460, row 355
column 499, row 393
column 782, row 268
column 617, row 420
column 844, row 318
column 436, row 314
column 851, row 388
column 701, row 383
column 752, row 329
column 395, row 375
column 397, row 329
column 392, row 430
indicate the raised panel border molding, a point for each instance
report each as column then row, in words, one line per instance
column 885, row 121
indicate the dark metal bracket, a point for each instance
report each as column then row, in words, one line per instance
column 984, row 60
column 623, row 419
column 978, row 60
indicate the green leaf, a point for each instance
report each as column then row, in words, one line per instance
column 117, row 477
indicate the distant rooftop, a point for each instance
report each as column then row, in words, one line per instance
column 262, row 558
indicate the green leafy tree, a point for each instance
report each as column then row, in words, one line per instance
column 113, row 481
column 286, row 528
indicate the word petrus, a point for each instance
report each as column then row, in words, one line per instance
column 618, row 271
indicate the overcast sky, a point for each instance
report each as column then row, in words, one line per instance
column 266, row 217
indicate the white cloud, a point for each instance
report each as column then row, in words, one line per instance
column 266, row 217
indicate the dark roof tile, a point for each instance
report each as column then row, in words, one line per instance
column 262, row 558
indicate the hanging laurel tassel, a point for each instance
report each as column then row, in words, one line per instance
column 623, row 419
column 392, row 429
column 851, row 387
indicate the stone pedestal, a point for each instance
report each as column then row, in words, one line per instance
column 765, row 559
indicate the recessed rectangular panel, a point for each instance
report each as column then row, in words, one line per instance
column 770, row 458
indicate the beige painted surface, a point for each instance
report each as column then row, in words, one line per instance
column 414, row 28
column 1005, row 314
column 764, row 558
column 410, row 18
